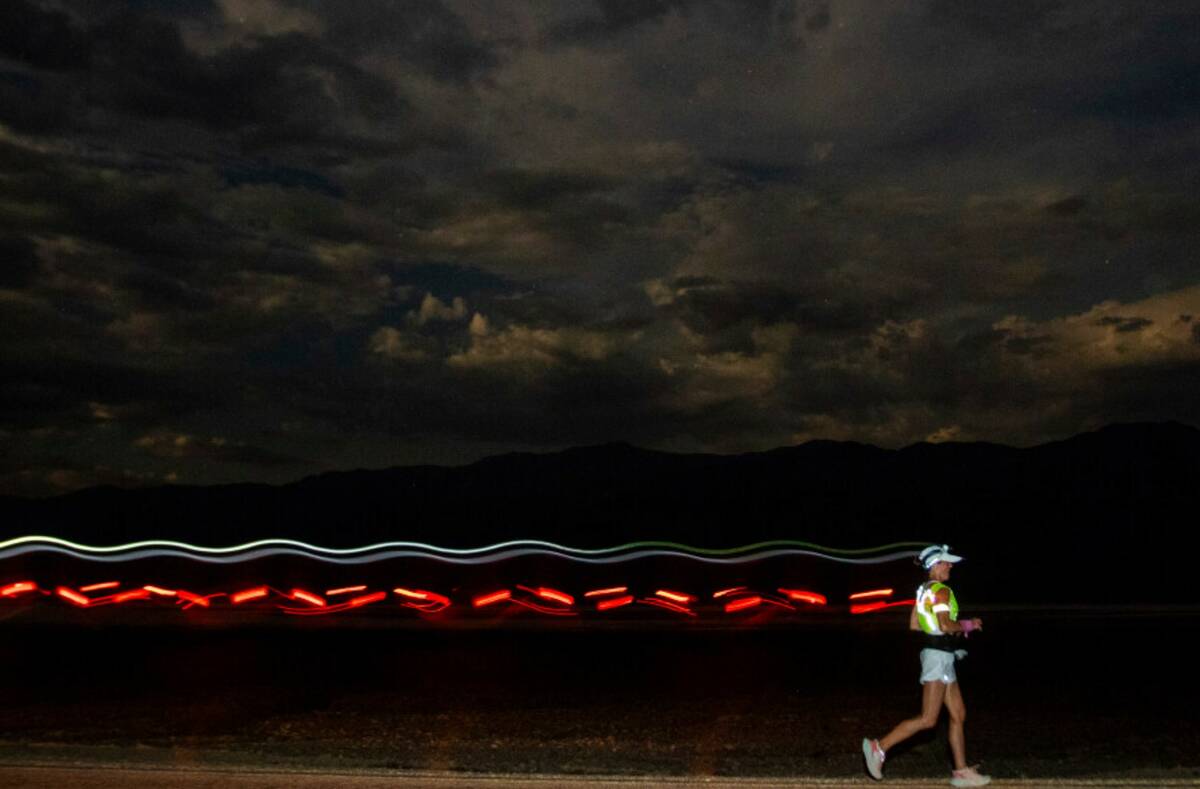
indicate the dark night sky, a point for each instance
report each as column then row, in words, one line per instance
column 258, row 239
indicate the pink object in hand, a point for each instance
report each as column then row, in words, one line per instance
column 967, row 626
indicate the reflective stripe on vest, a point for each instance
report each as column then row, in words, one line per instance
column 928, row 606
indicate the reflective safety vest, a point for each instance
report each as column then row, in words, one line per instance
column 928, row 606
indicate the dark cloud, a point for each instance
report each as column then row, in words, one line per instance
column 1123, row 324
column 38, row 104
column 62, row 475
column 18, row 262
column 420, row 33
column 1068, row 206
column 538, row 190
column 44, row 39
column 1153, row 84
column 774, row 21
column 818, row 18
column 1027, row 346
column 161, row 292
column 447, row 280
column 146, row 215
column 287, row 177
column 44, row 391
column 183, row 446
column 611, row 17
column 725, row 313
column 289, row 82
column 1010, row 24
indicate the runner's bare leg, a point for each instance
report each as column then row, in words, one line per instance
column 932, row 695
column 958, row 716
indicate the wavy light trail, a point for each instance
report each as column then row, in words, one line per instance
column 260, row 549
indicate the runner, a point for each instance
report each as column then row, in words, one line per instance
column 936, row 615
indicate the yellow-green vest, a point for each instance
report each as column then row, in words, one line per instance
column 928, row 606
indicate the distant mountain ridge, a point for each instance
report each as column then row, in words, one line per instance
column 1092, row 509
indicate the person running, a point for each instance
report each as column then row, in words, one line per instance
column 936, row 615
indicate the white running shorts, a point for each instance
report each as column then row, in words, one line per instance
column 937, row 666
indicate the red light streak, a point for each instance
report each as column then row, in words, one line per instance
column 345, row 590
column 332, row 609
column 543, row 609
column 614, row 602
column 434, row 602
column 866, row 608
column 609, row 590
column 248, row 594
column 804, row 596
column 73, row 596
column 729, row 591
column 667, row 605
column 308, row 597
column 872, row 593
column 494, row 597
column 98, row 587
column 366, row 599
column 441, row 600
column 192, row 599
column 742, row 604
column 547, row 593
column 543, row 599
column 426, row 608
column 555, row 595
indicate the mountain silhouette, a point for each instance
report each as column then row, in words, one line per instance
column 1106, row 516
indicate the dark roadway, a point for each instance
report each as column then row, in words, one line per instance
column 1066, row 697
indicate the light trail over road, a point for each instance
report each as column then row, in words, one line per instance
column 260, row 549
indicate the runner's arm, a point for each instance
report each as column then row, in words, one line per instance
column 948, row 625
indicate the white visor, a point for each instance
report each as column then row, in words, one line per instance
column 938, row 553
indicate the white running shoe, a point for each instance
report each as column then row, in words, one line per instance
column 874, row 756
column 969, row 776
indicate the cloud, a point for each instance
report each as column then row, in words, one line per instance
column 36, row 480
column 708, row 379
column 424, row 34
column 103, row 412
column 1025, row 379
column 614, row 17
column 778, row 22
column 266, row 18
column 440, row 229
column 531, row 348
column 170, row 445
column 1124, row 324
column 393, row 344
column 432, row 309
column 944, row 434
column 1110, row 334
